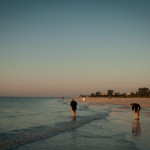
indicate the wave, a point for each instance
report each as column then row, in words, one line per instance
column 17, row 138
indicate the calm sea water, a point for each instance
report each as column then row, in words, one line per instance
column 47, row 123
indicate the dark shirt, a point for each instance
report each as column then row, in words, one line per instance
column 136, row 107
column 73, row 105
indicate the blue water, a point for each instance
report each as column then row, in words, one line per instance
column 47, row 123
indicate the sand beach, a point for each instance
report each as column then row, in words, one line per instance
column 144, row 102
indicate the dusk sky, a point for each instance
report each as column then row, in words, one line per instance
column 73, row 47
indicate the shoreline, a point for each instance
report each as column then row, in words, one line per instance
column 144, row 102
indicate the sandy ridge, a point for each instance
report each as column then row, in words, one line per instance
column 144, row 102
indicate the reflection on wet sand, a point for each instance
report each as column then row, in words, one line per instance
column 136, row 128
column 73, row 118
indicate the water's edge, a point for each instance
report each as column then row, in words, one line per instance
column 22, row 137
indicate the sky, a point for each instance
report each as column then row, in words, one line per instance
column 73, row 47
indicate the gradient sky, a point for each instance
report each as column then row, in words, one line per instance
column 73, row 47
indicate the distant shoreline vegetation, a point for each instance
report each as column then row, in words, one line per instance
column 141, row 93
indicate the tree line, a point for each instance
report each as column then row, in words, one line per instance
column 142, row 92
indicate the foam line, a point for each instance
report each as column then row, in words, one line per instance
column 12, row 140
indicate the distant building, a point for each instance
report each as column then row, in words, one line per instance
column 104, row 94
column 128, row 94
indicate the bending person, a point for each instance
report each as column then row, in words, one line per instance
column 137, row 108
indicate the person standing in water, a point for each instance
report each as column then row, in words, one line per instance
column 110, row 97
column 137, row 108
column 73, row 106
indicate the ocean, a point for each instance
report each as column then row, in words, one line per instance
column 36, row 123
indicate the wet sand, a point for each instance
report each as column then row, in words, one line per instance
column 144, row 102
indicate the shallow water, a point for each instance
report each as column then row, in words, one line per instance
column 97, row 126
